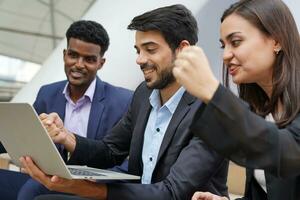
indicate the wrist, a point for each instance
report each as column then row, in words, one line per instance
column 210, row 89
column 95, row 191
column 70, row 141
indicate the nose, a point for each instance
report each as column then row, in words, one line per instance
column 227, row 55
column 141, row 59
column 80, row 62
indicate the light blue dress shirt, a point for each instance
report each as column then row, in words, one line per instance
column 158, row 121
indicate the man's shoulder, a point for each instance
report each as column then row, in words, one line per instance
column 49, row 93
column 143, row 90
column 52, row 88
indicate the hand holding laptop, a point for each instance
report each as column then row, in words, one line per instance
column 28, row 136
column 56, row 130
column 54, row 183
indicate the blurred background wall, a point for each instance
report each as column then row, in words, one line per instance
column 120, row 68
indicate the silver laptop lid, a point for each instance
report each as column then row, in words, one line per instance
column 22, row 134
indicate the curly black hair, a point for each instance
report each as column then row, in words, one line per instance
column 89, row 31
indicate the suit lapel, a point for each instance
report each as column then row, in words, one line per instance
column 139, row 131
column 96, row 110
column 59, row 107
column 179, row 114
column 60, row 103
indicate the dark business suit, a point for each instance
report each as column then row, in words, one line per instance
column 250, row 141
column 184, row 163
column 108, row 105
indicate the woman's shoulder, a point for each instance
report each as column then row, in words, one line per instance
column 295, row 124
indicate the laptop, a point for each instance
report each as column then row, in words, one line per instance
column 23, row 134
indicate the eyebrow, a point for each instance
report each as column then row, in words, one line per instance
column 85, row 55
column 146, row 44
column 228, row 37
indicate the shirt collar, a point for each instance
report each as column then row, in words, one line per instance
column 89, row 93
column 171, row 104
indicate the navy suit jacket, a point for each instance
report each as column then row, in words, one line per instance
column 108, row 105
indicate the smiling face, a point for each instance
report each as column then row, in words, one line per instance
column 248, row 53
column 82, row 61
column 155, row 58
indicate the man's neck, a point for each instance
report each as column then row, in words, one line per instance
column 167, row 92
column 76, row 92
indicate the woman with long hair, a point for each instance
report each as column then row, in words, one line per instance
column 261, row 129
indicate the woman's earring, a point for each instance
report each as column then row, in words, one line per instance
column 277, row 51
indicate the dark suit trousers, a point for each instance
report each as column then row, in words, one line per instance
column 58, row 197
column 10, row 183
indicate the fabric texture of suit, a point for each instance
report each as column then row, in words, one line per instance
column 251, row 141
column 184, row 165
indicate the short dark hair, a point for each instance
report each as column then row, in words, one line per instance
column 89, row 31
column 176, row 23
column 274, row 19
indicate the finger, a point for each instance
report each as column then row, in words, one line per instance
column 59, row 122
column 33, row 170
column 177, row 72
column 181, row 72
column 23, row 170
column 56, row 179
column 189, row 50
column 53, row 131
column 190, row 57
column 25, row 166
column 202, row 196
column 43, row 116
column 196, row 196
column 182, row 63
column 52, row 117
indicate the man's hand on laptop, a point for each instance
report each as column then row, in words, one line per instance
column 58, row 133
column 83, row 188
column 207, row 196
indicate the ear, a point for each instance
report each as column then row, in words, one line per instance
column 277, row 47
column 64, row 53
column 182, row 44
column 101, row 63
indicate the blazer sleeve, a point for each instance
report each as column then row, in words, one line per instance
column 38, row 103
column 227, row 125
column 193, row 169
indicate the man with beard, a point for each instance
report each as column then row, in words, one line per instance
column 154, row 132
column 88, row 106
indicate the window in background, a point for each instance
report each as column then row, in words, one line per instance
column 14, row 74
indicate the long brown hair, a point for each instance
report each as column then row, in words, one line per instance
column 274, row 19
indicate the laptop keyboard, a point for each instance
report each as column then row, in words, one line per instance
column 81, row 172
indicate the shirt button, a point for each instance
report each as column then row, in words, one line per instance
column 157, row 129
column 150, row 159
